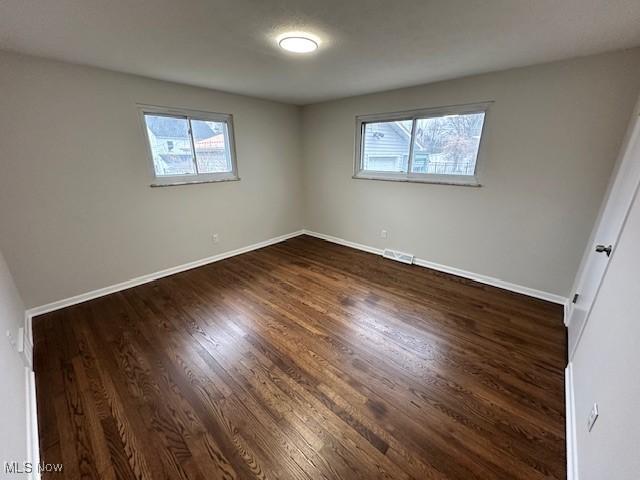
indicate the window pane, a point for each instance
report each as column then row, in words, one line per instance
column 386, row 146
column 447, row 145
column 211, row 142
column 170, row 145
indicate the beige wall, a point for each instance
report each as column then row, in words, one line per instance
column 76, row 209
column 77, row 213
column 13, row 402
column 551, row 140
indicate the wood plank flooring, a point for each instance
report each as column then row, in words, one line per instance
column 304, row 360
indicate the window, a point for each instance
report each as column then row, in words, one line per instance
column 188, row 146
column 438, row 145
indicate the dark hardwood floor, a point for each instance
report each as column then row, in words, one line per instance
column 304, row 360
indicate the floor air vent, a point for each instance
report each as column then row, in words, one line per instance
column 397, row 256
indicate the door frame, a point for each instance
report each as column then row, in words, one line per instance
column 622, row 168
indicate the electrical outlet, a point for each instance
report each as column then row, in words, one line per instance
column 593, row 416
column 384, row 234
column 216, row 238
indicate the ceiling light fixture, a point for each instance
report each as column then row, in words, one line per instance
column 298, row 43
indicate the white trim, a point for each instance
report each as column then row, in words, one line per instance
column 568, row 310
column 572, row 452
column 447, row 179
column 101, row 292
column 33, row 441
column 623, row 182
column 428, row 112
column 636, row 193
column 32, row 419
column 495, row 282
column 33, row 452
column 27, row 343
column 189, row 115
column 83, row 297
column 346, row 243
column 438, row 179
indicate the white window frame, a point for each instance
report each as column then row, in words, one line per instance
column 414, row 116
column 169, row 180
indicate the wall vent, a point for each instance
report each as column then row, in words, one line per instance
column 398, row 256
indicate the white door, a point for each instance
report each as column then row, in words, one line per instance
column 605, row 368
column 596, row 259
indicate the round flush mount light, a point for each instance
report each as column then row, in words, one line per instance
column 298, row 43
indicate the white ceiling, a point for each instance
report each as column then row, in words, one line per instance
column 367, row 45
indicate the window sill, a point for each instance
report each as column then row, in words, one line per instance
column 444, row 181
column 195, row 182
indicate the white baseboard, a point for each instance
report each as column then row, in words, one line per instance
column 101, row 292
column 33, row 452
column 572, row 453
column 83, row 297
column 495, row 282
column 32, row 419
column 346, row 243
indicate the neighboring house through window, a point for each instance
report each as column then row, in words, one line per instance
column 187, row 146
column 438, row 145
